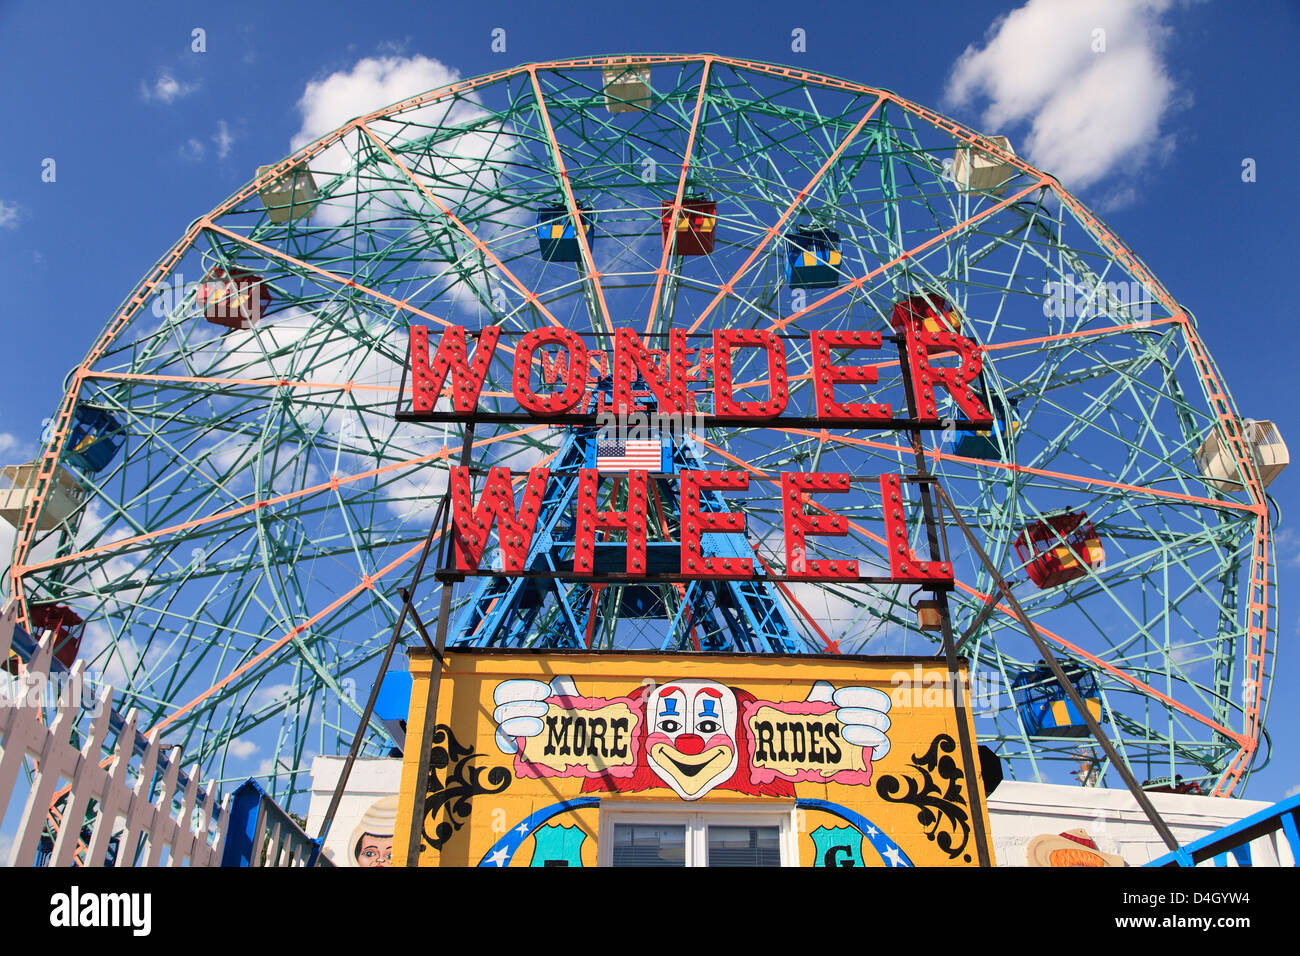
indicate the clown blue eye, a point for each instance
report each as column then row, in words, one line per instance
column 670, row 706
column 708, row 709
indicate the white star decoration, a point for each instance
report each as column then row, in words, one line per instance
column 872, row 831
column 891, row 854
column 498, row 858
column 523, row 828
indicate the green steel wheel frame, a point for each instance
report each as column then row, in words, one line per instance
column 238, row 561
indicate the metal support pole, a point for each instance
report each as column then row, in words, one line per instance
column 975, row 625
column 970, row 767
column 337, row 796
column 1071, row 691
column 435, row 680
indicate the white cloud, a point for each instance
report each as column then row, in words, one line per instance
column 195, row 148
column 118, row 662
column 307, row 346
column 1090, row 110
column 271, row 765
column 10, row 213
column 1286, row 545
column 372, row 83
column 223, row 138
column 10, row 445
column 166, row 89
column 272, row 693
column 1292, row 791
column 240, row 748
column 192, row 149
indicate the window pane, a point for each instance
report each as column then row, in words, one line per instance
column 649, row 844
column 744, row 846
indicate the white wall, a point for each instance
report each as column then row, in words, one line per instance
column 370, row 780
column 1018, row 812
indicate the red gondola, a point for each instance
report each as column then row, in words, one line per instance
column 66, row 625
column 233, row 298
column 697, row 224
column 929, row 311
column 1062, row 548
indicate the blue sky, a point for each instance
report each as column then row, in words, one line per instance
column 146, row 135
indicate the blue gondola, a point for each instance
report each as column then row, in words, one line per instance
column 1043, row 706
column 985, row 443
column 94, row 439
column 557, row 240
column 812, row 259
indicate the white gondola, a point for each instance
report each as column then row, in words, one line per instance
column 627, row 88
column 1219, row 465
column 293, row 195
column 18, row 487
column 974, row 168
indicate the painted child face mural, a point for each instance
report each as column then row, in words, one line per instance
column 374, row 850
column 691, row 743
column 372, row 840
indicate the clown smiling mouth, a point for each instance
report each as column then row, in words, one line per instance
column 687, row 769
column 705, row 759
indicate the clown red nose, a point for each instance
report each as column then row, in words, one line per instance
column 690, row 744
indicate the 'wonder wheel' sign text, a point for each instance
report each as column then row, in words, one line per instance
column 636, row 409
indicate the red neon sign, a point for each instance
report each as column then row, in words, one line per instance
column 669, row 374
column 666, row 376
column 473, row 520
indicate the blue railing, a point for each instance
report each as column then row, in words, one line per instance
column 1235, row 838
column 262, row 834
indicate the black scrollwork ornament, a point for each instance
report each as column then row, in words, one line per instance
column 453, row 782
column 940, row 806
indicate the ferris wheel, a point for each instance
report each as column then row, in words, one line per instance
column 227, row 505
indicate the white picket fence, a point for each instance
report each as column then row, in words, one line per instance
column 131, row 805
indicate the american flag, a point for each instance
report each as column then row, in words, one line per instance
column 642, row 454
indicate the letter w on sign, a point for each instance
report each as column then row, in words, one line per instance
column 429, row 373
column 471, row 524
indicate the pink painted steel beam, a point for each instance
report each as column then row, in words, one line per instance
column 662, row 272
column 593, row 275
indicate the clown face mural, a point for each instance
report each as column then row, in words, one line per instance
column 690, row 744
column 692, row 736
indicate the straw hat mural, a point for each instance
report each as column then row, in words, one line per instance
column 1071, row 848
column 372, row 840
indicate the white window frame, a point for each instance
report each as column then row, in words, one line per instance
column 697, row 818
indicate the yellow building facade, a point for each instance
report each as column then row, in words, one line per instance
column 562, row 758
